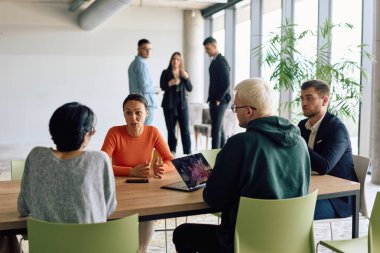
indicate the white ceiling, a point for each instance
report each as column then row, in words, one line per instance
column 181, row 4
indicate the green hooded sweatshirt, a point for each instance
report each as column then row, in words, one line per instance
column 268, row 161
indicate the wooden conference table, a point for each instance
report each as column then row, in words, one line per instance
column 151, row 202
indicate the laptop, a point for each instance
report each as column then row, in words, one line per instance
column 194, row 171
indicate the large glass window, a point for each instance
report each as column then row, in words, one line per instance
column 218, row 30
column 343, row 41
column 271, row 22
column 242, row 43
column 305, row 19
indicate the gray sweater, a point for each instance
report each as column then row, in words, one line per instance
column 77, row 190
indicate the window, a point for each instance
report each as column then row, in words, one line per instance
column 242, row 43
column 271, row 21
column 305, row 18
column 343, row 39
column 218, row 31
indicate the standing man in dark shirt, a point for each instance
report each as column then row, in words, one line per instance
column 329, row 146
column 219, row 91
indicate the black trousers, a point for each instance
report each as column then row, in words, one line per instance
column 171, row 118
column 192, row 238
column 217, row 133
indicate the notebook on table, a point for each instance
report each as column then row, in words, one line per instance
column 194, row 171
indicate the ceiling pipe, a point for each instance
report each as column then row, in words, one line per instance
column 100, row 11
column 76, row 5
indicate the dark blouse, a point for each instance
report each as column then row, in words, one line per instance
column 176, row 94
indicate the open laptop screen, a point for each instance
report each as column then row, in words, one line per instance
column 194, row 169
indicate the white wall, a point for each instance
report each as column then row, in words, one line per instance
column 47, row 60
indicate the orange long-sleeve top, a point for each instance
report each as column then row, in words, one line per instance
column 127, row 151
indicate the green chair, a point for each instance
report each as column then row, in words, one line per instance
column 367, row 244
column 210, row 155
column 361, row 165
column 116, row 236
column 17, row 169
column 273, row 226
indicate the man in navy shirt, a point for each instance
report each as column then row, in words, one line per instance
column 219, row 91
column 329, row 146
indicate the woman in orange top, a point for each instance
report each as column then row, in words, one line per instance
column 130, row 146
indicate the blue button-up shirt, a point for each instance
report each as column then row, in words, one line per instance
column 140, row 80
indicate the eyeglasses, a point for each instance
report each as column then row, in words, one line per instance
column 234, row 107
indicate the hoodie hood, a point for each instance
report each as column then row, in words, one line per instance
column 278, row 129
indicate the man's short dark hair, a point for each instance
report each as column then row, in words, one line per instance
column 69, row 124
column 209, row 40
column 142, row 42
column 320, row 86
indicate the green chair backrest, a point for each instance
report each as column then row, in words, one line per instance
column 17, row 169
column 210, row 155
column 374, row 227
column 116, row 236
column 274, row 226
column 361, row 165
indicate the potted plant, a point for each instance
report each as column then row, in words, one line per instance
column 292, row 68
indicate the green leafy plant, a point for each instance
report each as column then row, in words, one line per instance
column 291, row 68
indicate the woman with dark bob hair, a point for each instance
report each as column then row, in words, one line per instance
column 68, row 184
column 131, row 145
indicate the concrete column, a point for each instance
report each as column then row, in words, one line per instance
column 375, row 151
column 193, row 53
column 256, row 35
column 229, row 43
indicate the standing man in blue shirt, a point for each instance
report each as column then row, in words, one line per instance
column 140, row 80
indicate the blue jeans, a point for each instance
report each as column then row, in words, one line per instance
column 324, row 210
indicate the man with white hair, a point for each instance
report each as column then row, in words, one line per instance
column 268, row 161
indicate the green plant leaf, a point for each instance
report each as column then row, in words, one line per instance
column 291, row 68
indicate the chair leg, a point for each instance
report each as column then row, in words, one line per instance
column 331, row 230
column 166, row 238
column 206, row 141
column 196, row 134
column 22, row 238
